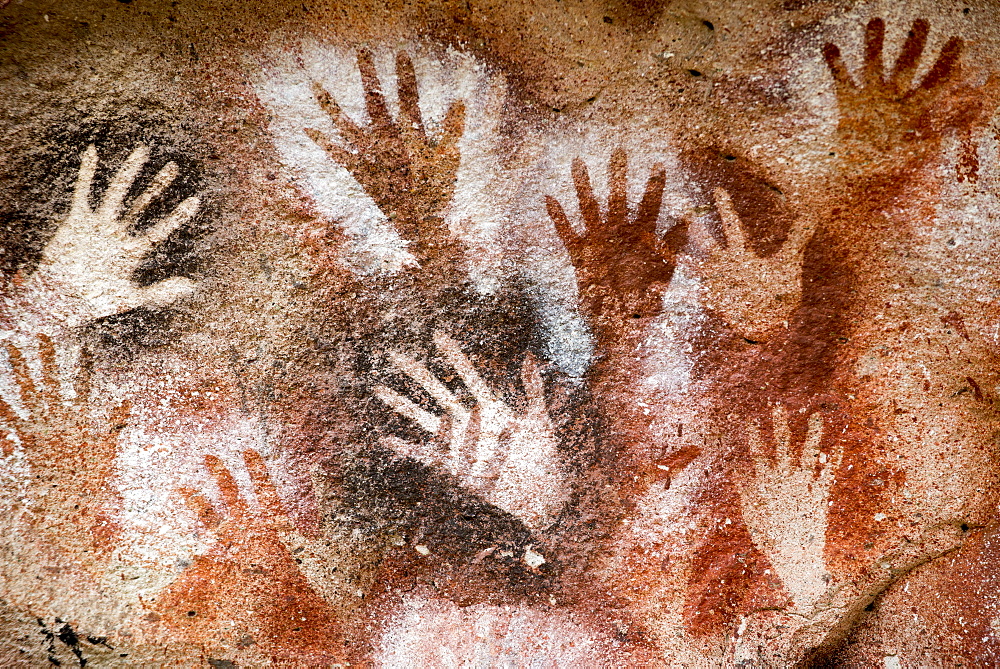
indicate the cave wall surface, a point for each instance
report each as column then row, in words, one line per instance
column 522, row 333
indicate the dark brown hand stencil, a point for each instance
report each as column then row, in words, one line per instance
column 409, row 175
column 889, row 111
column 622, row 267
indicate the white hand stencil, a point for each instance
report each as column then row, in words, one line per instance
column 90, row 260
column 510, row 458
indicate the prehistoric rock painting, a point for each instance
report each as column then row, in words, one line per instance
column 544, row 334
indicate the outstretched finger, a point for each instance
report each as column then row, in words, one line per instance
column 452, row 128
column 7, row 442
column 471, row 444
column 267, row 493
column 572, row 241
column 378, row 112
column 731, row 226
column 419, row 373
column 814, row 439
column 873, row 73
column 442, row 439
column 184, row 212
column 452, row 352
column 832, row 465
column 798, row 238
column 756, row 445
column 347, row 128
column 589, row 209
column 649, row 208
column 782, row 437
column 704, row 237
column 405, row 407
column 762, row 467
column 228, row 488
column 85, row 368
column 617, row 188
column 22, row 378
column 945, row 67
column 160, row 183
column 84, row 182
column 120, row 185
column 163, row 293
column 11, row 419
column 909, row 57
column 104, row 449
column 50, row 370
column 842, row 82
column 339, row 154
column 424, row 453
column 409, row 97
column 202, row 508
column 534, row 385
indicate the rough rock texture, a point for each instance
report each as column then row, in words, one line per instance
column 522, row 333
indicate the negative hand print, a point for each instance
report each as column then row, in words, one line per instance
column 622, row 266
column 410, row 175
column 90, row 260
column 252, row 577
column 71, row 459
column 887, row 110
column 785, row 507
column 754, row 294
column 239, row 517
column 509, row 457
column 248, row 534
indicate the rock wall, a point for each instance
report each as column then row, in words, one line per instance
column 528, row 333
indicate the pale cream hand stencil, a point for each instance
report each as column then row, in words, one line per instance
column 508, row 457
column 90, row 260
column 754, row 294
column 785, row 508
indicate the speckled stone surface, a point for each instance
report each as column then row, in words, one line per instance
column 524, row 333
